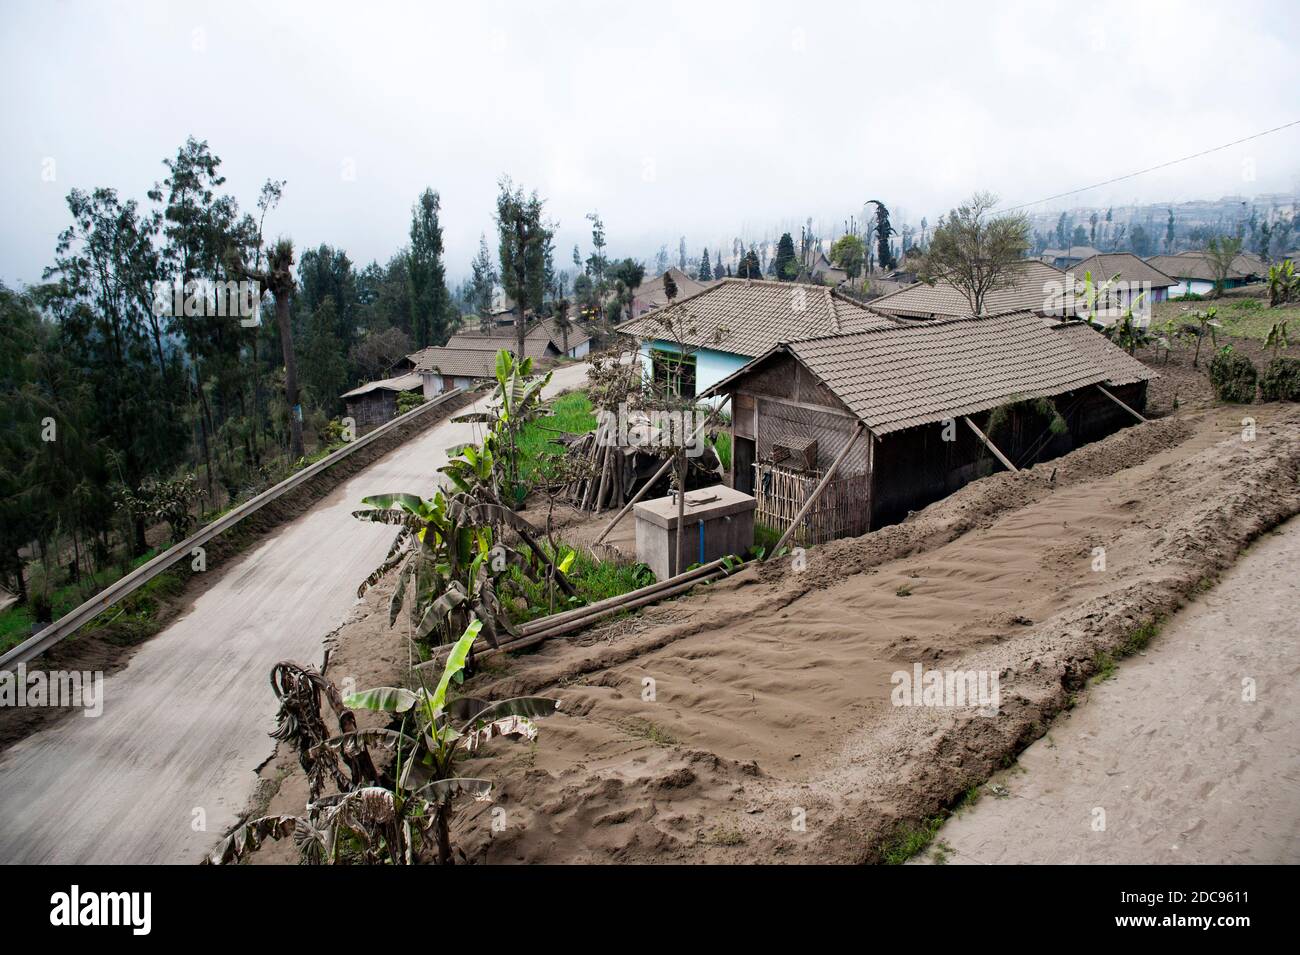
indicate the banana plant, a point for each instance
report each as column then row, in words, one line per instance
column 516, row 400
column 376, row 820
column 438, row 732
column 1283, row 283
column 1206, row 323
column 1277, row 337
column 1092, row 293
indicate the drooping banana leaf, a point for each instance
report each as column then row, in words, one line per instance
column 445, row 790
column 249, row 837
column 349, row 744
column 399, row 594
column 508, row 726
column 407, row 502
column 529, row 707
column 385, row 699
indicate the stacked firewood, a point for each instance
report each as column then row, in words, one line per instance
column 606, row 472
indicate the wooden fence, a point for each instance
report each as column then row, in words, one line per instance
column 843, row 510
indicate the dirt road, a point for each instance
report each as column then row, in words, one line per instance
column 1172, row 754
column 170, row 763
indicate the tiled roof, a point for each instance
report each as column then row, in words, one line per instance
column 916, row 373
column 408, row 382
column 747, row 317
column 543, row 339
column 1126, row 265
column 458, row 362
column 651, row 292
column 1033, row 281
column 1197, row 265
column 536, row 339
column 576, row 334
column 1120, row 367
column 1073, row 252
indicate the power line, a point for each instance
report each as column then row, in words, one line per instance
column 1163, row 165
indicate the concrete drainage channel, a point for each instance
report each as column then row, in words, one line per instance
column 417, row 418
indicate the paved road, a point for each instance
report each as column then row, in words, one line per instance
column 1183, row 764
column 185, row 723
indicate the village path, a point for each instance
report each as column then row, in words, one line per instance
column 1184, row 769
column 170, row 764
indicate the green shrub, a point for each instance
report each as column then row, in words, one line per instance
column 722, row 447
column 1233, row 376
column 406, row 400
column 1281, row 381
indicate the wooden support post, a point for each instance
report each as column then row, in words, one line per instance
column 681, row 510
column 991, row 446
column 817, row 491
column 1107, row 393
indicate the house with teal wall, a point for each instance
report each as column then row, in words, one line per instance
column 692, row 343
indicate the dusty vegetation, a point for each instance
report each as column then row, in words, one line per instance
column 767, row 702
column 108, row 642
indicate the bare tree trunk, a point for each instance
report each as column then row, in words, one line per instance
column 282, row 320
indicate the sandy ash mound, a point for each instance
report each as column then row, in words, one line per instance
column 752, row 721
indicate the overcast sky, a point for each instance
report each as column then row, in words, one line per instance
column 697, row 118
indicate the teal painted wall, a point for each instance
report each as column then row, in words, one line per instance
column 710, row 366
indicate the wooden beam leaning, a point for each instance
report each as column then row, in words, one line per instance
column 991, row 446
column 1107, row 393
column 817, row 491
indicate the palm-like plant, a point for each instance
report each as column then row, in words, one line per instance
column 1283, row 284
column 441, row 731
column 1277, row 337
column 407, row 822
column 1206, row 323
column 448, row 553
column 515, row 402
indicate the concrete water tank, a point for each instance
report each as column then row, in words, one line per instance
column 719, row 521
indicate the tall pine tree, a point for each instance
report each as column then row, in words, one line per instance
column 430, row 300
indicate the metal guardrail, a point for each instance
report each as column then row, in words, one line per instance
column 73, row 620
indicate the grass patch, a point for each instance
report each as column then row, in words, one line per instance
column 644, row 729
column 1104, row 666
column 766, row 537
column 16, row 622
column 909, row 840
column 572, row 414
column 725, row 837
column 968, row 799
column 1240, row 318
column 1137, row 641
column 593, row 579
column 722, row 447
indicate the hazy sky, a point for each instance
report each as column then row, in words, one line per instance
column 696, row 118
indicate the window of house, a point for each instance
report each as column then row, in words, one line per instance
column 674, row 372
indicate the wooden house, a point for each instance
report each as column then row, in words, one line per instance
column 906, row 412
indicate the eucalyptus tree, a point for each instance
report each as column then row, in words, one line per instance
column 524, row 239
column 431, row 311
column 104, row 267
